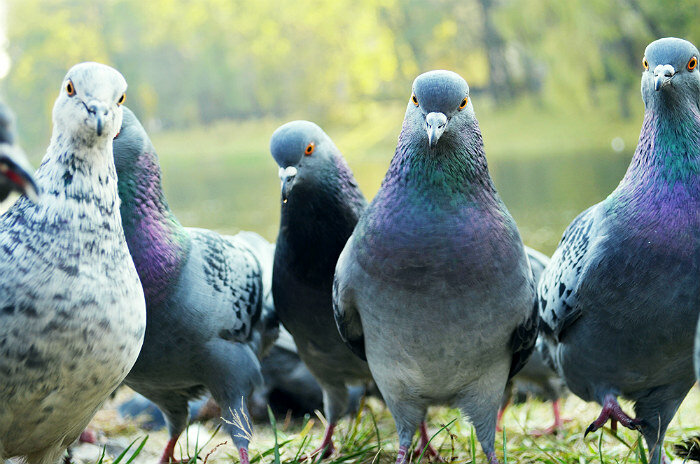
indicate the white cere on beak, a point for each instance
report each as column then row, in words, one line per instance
column 663, row 75
column 289, row 171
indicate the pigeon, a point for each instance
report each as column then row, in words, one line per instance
column 207, row 324
column 537, row 372
column 16, row 175
column 697, row 352
column 434, row 287
column 620, row 298
column 72, row 309
column 320, row 205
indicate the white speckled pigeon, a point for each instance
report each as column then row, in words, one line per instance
column 620, row 298
column 15, row 171
column 536, row 372
column 72, row 310
column 321, row 204
column 434, row 285
column 204, row 297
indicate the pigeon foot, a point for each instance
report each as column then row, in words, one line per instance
column 424, row 444
column 612, row 410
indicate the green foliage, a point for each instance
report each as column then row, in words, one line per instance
column 190, row 63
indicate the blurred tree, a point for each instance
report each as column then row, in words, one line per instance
column 197, row 62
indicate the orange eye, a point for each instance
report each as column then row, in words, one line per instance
column 121, row 100
column 310, row 149
column 464, row 103
column 692, row 64
column 645, row 63
column 414, row 99
column 70, row 89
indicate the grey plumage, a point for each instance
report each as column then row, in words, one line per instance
column 434, row 285
column 620, row 298
column 72, row 311
column 16, row 175
column 207, row 323
column 321, row 204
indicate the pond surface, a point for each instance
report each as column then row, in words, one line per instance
column 543, row 194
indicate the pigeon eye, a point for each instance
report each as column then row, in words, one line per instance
column 70, row 89
column 121, row 100
column 414, row 99
column 310, row 149
column 645, row 63
column 692, row 64
column 464, row 103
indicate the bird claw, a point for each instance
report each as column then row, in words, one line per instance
column 591, row 428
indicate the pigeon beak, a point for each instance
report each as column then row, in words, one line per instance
column 435, row 124
column 663, row 75
column 98, row 111
column 287, row 180
column 20, row 177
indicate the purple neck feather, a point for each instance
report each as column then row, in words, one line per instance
column 158, row 243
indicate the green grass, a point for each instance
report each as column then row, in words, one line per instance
column 370, row 437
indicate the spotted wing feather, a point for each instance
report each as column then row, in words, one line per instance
column 232, row 281
column 559, row 284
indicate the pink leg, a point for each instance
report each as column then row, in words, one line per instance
column 499, row 418
column 401, row 456
column 558, row 422
column 424, row 442
column 612, row 410
column 169, row 452
column 327, row 447
column 243, row 454
column 557, row 414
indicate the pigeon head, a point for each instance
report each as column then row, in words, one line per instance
column 671, row 73
column 439, row 107
column 15, row 171
column 303, row 153
column 130, row 143
column 88, row 107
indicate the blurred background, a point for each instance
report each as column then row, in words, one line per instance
column 555, row 85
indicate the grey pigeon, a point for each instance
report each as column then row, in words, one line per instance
column 697, row 352
column 204, row 298
column 619, row 301
column 16, row 175
column 434, row 286
column 320, row 204
column 536, row 372
column 72, row 310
